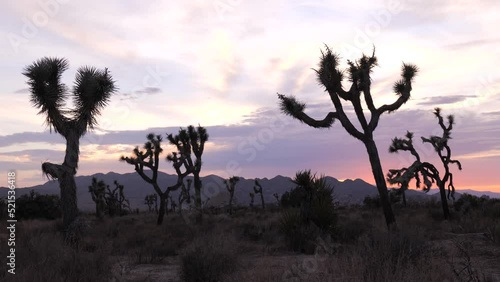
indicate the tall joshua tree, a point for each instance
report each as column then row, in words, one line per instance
column 258, row 190
column 425, row 171
column 91, row 92
column 192, row 141
column 331, row 77
column 230, row 186
column 146, row 163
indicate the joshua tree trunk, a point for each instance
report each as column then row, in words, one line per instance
column 378, row 174
column 444, row 200
column 197, row 197
column 65, row 174
column 163, row 207
column 68, row 198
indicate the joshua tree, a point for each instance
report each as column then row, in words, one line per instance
column 91, row 92
column 230, row 185
column 252, row 198
column 151, row 200
column 277, row 197
column 97, row 190
column 115, row 200
column 173, row 204
column 331, row 77
column 185, row 194
column 150, row 159
column 258, row 190
column 191, row 141
column 423, row 170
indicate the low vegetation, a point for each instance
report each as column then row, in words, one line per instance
column 252, row 245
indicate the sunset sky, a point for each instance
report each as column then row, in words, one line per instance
column 220, row 63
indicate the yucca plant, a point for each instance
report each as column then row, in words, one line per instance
column 91, row 93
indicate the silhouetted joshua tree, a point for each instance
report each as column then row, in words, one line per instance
column 149, row 159
column 185, row 194
column 230, row 185
column 97, row 191
column 91, row 92
column 424, row 171
column 258, row 190
column 115, row 200
column 277, row 197
column 192, row 141
column 331, row 77
column 151, row 201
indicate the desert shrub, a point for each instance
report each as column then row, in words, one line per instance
column 372, row 202
column 209, row 259
column 300, row 237
column 44, row 256
column 350, row 230
column 34, row 205
column 386, row 255
column 316, row 214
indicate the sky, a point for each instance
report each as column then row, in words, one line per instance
column 220, row 64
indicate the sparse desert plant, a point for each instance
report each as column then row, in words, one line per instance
column 230, row 186
column 91, row 92
column 331, row 77
column 424, row 171
column 209, row 259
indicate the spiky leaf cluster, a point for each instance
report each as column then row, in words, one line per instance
column 331, row 77
column 91, row 92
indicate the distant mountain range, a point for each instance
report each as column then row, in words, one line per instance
column 215, row 193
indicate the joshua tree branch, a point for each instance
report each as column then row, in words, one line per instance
column 291, row 107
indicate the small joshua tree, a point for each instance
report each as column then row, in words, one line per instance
column 91, row 92
column 151, row 201
column 97, row 190
column 149, row 160
column 331, row 77
column 277, row 197
column 185, row 194
column 116, row 201
column 424, row 171
column 191, row 141
column 230, row 185
column 258, row 190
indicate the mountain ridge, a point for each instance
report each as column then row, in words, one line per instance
column 214, row 192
